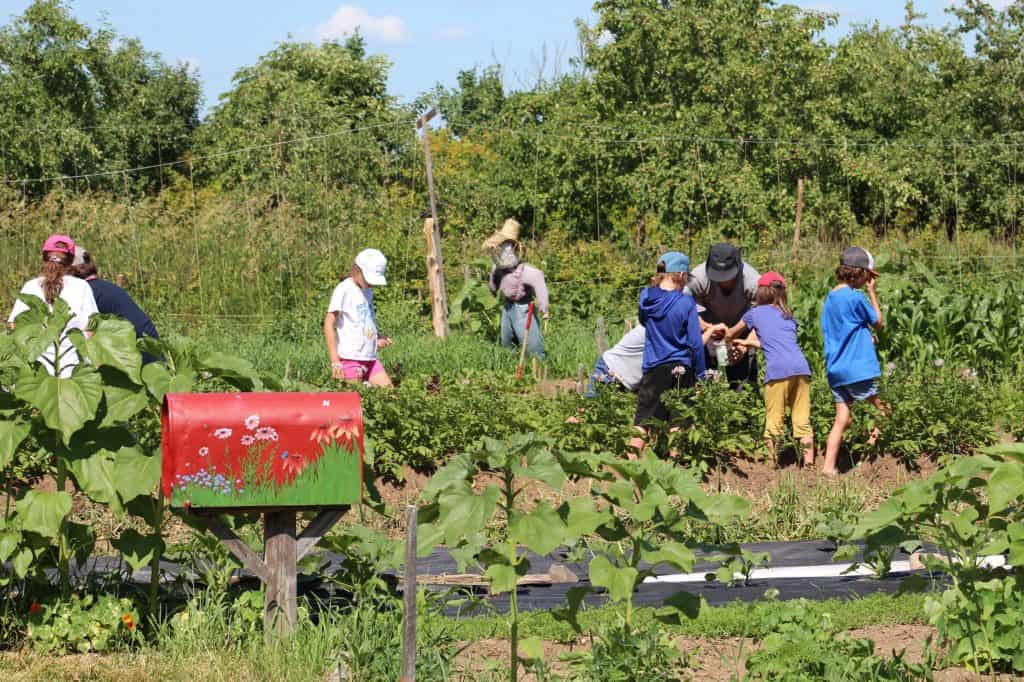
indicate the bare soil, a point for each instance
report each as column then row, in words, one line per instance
column 717, row 660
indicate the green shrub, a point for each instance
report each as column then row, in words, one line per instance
column 82, row 624
column 803, row 644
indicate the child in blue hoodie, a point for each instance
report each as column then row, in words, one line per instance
column 673, row 350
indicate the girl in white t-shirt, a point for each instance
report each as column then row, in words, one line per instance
column 55, row 281
column 350, row 327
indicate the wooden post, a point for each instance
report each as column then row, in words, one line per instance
column 409, row 600
column 796, row 224
column 281, row 552
column 435, row 261
column 601, row 336
column 279, row 605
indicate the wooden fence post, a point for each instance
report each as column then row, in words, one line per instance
column 601, row 336
column 796, row 224
column 435, row 261
column 409, row 600
column 279, row 606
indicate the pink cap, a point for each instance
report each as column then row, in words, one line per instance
column 769, row 278
column 61, row 243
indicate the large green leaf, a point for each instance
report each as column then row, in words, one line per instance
column 9, row 541
column 11, row 435
column 123, row 399
column 135, row 473
column 675, row 553
column 1005, row 485
column 65, row 404
column 37, row 329
column 113, row 345
column 541, row 465
column 43, row 512
column 619, row 581
column 503, row 577
column 137, row 549
column 581, row 517
column 464, row 512
column 236, row 371
column 94, row 474
column 157, row 379
column 542, row 530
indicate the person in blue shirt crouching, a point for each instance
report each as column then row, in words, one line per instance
column 673, row 349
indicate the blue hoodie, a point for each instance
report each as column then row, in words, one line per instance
column 673, row 330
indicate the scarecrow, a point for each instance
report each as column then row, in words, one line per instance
column 522, row 289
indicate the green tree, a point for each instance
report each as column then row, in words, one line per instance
column 76, row 100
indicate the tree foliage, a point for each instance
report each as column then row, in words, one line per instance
column 76, row 100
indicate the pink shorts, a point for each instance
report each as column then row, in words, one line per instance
column 361, row 370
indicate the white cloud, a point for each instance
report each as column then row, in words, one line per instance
column 348, row 18
column 453, row 33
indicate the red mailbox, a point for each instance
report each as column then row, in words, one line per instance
column 262, row 450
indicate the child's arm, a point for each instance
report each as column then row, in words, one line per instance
column 873, row 297
column 331, row 339
column 696, row 343
column 735, row 330
column 751, row 342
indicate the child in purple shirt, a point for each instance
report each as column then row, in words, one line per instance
column 787, row 377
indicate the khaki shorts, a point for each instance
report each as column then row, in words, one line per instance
column 791, row 392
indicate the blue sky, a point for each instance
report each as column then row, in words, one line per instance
column 427, row 42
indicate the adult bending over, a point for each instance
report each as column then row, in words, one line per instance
column 112, row 299
column 55, row 281
column 725, row 286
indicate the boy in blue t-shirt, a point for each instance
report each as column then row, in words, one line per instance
column 850, row 359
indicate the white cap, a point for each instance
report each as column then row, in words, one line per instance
column 373, row 263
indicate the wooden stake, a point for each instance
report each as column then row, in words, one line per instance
column 796, row 224
column 409, row 600
column 601, row 336
column 435, row 261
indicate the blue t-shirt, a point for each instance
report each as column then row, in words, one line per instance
column 846, row 320
column 782, row 354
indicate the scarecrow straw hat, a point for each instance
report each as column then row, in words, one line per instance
column 509, row 231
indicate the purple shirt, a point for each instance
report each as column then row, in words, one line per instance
column 782, row 354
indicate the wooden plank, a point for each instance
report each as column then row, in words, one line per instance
column 409, row 600
column 556, row 575
column 317, row 528
column 235, row 545
column 279, row 611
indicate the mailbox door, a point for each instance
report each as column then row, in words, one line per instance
column 256, row 450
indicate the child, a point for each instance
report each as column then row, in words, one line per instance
column 350, row 327
column 673, row 354
column 787, row 377
column 850, row 358
column 55, row 281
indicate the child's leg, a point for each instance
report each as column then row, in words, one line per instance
column 774, row 414
column 800, row 406
column 835, row 438
column 883, row 409
column 378, row 375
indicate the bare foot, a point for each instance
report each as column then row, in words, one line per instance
column 831, row 473
column 572, row 420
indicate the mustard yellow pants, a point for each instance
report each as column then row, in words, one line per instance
column 794, row 393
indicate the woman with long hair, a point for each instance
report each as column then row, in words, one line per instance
column 56, row 281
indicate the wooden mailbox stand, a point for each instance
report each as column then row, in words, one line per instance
column 282, row 550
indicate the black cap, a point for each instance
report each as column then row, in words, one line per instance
column 724, row 262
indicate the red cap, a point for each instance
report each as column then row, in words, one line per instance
column 770, row 278
column 61, row 243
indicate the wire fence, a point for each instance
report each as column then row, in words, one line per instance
column 243, row 260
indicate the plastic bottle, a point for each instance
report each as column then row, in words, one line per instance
column 722, row 355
